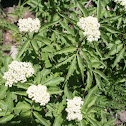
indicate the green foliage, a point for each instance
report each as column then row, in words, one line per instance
column 68, row 65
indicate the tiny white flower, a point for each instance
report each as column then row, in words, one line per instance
column 18, row 72
column 39, row 94
column 74, row 108
column 90, row 26
column 29, row 25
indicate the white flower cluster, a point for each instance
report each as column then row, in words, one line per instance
column 90, row 26
column 29, row 25
column 121, row 2
column 74, row 109
column 18, row 72
column 39, row 94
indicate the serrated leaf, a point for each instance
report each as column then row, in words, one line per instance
column 23, row 93
column 83, row 9
column 21, row 106
column 83, row 53
column 81, row 66
column 44, row 40
column 64, row 25
column 98, row 81
column 3, row 90
column 71, row 69
column 89, row 80
column 61, row 105
column 69, row 19
column 54, row 82
column 119, row 57
column 92, row 121
column 6, row 118
column 103, row 117
column 67, row 93
column 66, row 50
column 23, row 86
column 65, row 61
column 109, row 19
column 87, row 98
column 110, row 29
column 41, row 119
column 58, row 121
column 4, row 113
column 98, row 9
column 13, row 27
column 82, row 123
column 101, row 74
column 24, row 47
column 3, row 105
column 35, row 46
column 46, row 25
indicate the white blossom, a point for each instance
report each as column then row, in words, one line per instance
column 18, row 72
column 74, row 108
column 39, row 94
column 121, row 2
column 29, row 25
column 90, row 26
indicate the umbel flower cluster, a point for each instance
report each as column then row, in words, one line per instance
column 90, row 26
column 74, row 108
column 18, row 72
column 39, row 94
column 29, row 25
column 121, row 2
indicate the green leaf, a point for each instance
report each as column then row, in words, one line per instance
column 92, row 121
column 9, row 102
column 67, row 93
column 98, row 9
column 65, row 61
column 13, row 27
column 61, row 106
column 46, row 25
column 87, row 98
column 23, row 93
column 23, row 86
column 35, row 46
column 82, row 123
column 119, row 57
column 103, row 117
column 66, row 50
column 98, row 81
column 69, row 19
column 54, row 82
column 89, row 80
column 41, row 119
column 81, row 66
column 71, row 69
column 58, row 121
column 110, row 29
column 3, row 105
column 6, row 118
column 22, row 106
column 3, row 90
column 64, row 25
column 23, row 49
column 101, row 74
column 4, row 113
column 84, row 54
column 44, row 40
column 110, row 18
column 83, row 9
